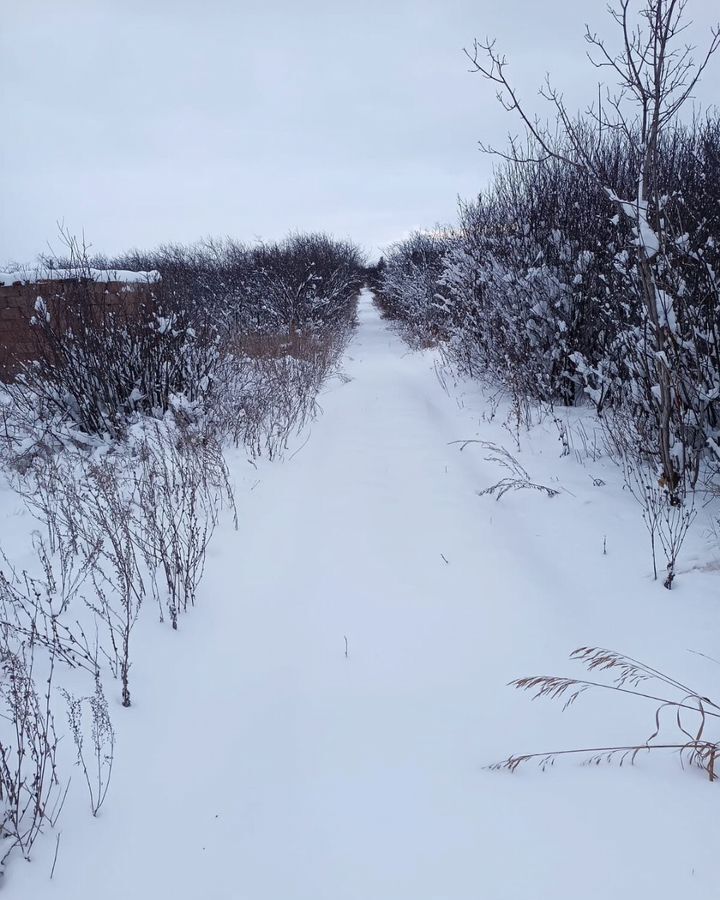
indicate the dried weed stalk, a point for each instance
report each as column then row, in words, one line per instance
column 30, row 790
column 689, row 711
column 96, row 769
column 518, row 478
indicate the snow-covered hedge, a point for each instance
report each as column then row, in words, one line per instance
column 540, row 286
column 410, row 282
column 99, row 368
column 305, row 281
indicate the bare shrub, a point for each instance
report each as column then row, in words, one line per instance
column 179, row 489
column 91, row 516
column 145, row 508
column 678, row 708
column 267, row 386
column 101, row 515
column 98, row 366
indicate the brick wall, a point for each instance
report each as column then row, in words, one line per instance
column 18, row 342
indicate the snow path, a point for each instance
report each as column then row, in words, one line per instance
column 260, row 763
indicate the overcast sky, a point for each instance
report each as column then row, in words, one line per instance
column 147, row 121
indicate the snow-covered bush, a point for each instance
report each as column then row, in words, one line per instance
column 307, row 281
column 410, row 283
column 301, row 282
column 590, row 270
column 541, row 290
column 266, row 386
column 526, row 280
column 99, row 368
column 654, row 173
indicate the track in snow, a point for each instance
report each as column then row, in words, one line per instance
column 261, row 763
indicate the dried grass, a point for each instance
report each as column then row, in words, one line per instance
column 691, row 713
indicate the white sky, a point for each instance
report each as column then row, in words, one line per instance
column 148, row 121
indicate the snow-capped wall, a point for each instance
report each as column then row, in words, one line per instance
column 121, row 276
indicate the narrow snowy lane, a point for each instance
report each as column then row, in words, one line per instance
column 318, row 728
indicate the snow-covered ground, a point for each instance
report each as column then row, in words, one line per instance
column 319, row 727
